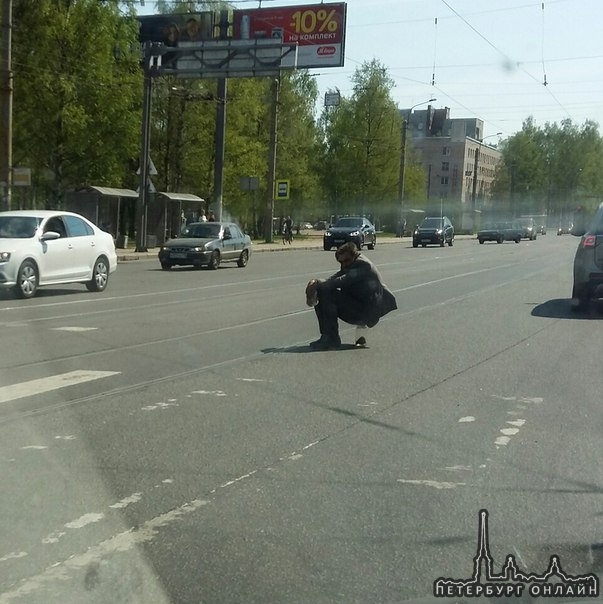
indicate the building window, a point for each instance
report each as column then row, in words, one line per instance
column 444, row 180
column 445, row 166
column 445, row 150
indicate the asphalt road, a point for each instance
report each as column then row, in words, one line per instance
column 174, row 439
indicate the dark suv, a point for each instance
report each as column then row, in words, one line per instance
column 351, row 228
column 434, row 230
column 529, row 230
column 588, row 262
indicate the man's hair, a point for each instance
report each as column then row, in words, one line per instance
column 347, row 248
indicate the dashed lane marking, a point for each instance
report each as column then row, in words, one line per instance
column 53, row 382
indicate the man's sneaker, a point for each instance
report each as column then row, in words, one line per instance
column 326, row 342
column 360, row 339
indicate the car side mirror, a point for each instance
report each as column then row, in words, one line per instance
column 50, row 235
column 227, row 236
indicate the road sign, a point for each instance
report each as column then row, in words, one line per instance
column 282, row 190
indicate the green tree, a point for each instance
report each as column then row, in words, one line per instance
column 77, row 92
column 362, row 146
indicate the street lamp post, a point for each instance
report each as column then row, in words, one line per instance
column 405, row 121
column 475, row 166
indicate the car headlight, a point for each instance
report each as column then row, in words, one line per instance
column 4, row 256
column 198, row 249
column 439, row 231
column 355, row 234
column 327, row 233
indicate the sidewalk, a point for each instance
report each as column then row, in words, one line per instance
column 308, row 242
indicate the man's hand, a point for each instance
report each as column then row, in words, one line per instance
column 311, row 293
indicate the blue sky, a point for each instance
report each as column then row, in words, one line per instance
column 482, row 58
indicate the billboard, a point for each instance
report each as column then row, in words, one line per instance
column 318, row 29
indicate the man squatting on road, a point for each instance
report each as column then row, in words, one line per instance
column 355, row 294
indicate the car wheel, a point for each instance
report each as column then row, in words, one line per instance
column 481, row 241
column 214, row 261
column 27, row 280
column 243, row 259
column 415, row 244
column 371, row 246
column 100, row 275
column 499, row 240
column 326, row 248
column 442, row 242
column 423, row 245
column 166, row 266
column 518, row 240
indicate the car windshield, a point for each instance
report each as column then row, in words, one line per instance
column 18, row 227
column 431, row 223
column 349, row 222
column 201, row 230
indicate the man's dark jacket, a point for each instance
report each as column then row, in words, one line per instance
column 362, row 281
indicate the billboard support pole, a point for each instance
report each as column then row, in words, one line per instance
column 145, row 143
column 220, row 144
column 269, row 216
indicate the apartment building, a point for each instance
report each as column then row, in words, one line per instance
column 459, row 164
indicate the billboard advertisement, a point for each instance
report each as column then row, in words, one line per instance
column 318, row 29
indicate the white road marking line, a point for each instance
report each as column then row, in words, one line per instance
column 517, row 422
column 126, row 501
column 119, row 543
column 433, row 483
column 468, row 419
column 65, row 437
column 84, row 520
column 458, row 468
column 53, row 537
column 13, row 556
column 231, row 482
column 295, row 456
column 509, row 431
column 251, row 380
column 74, row 329
column 159, row 406
column 502, row 441
column 53, row 382
column 214, row 392
column 36, row 447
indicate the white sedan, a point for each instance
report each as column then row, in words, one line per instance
column 45, row 247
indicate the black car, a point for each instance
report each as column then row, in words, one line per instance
column 588, row 262
column 434, row 230
column 351, row 228
column 206, row 244
column 529, row 230
column 499, row 232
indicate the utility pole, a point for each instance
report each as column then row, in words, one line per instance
column 6, row 106
column 220, row 140
column 268, row 217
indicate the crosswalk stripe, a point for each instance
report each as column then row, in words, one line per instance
column 53, row 382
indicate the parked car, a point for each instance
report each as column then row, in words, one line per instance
column 588, row 263
column 564, row 229
column 434, row 230
column 528, row 228
column 541, row 229
column 206, row 244
column 499, row 232
column 358, row 229
column 321, row 225
column 44, row 247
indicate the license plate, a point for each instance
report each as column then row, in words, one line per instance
column 338, row 240
column 178, row 255
column 425, row 240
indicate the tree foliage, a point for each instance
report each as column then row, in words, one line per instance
column 77, row 92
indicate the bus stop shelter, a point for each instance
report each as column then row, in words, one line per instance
column 177, row 209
